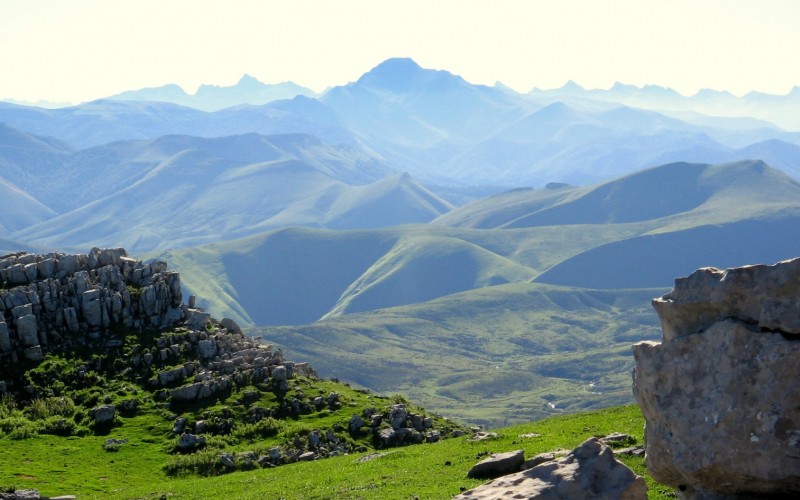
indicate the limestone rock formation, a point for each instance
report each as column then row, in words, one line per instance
column 590, row 471
column 718, row 393
column 47, row 301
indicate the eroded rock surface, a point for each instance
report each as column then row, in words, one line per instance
column 719, row 393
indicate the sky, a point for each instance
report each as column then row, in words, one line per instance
column 79, row 50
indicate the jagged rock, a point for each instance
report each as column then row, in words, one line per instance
column 765, row 296
column 103, row 414
column 397, row 416
column 718, row 394
column 588, row 472
column 196, row 319
column 498, row 464
column 27, row 330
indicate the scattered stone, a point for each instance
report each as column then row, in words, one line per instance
column 188, row 442
column 373, row 456
column 498, row 464
column 227, row 460
column 590, row 472
column 355, row 424
column 482, row 436
column 634, row 451
column 103, row 414
column 616, row 439
column 307, row 456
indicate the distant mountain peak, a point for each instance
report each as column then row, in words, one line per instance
column 571, row 85
column 248, row 80
column 401, row 74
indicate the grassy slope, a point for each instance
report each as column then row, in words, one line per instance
column 296, row 276
column 495, row 356
column 79, row 466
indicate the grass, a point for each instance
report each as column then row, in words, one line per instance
column 495, row 356
column 79, row 465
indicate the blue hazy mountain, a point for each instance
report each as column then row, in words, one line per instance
column 248, row 90
column 182, row 190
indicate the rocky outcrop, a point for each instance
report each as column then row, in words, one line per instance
column 718, row 393
column 590, row 471
column 54, row 301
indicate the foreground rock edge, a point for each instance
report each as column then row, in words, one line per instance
column 717, row 393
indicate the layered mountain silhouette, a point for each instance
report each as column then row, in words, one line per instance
column 183, row 190
column 248, row 90
column 638, row 231
column 445, row 131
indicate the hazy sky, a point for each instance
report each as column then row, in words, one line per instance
column 84, row 49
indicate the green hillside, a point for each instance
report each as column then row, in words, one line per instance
column 57, row 465
column 465, row 320
column 495, row 356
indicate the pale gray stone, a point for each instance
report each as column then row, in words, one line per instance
column 27, row 330
column 588, row 472
column 103, row 414
column 721, row 409
column 766, row 296
column 16, row 275
column 498, row 464
column 718, row 394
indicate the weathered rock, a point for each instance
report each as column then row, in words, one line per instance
column 5, row 340
column 230, row 325
column 187, row 442
column 103, row 414
column 195, row 319
column 279, row 373
column 355, row 424
column 207, row 349
column 227, row 460
column 588, row 472
column 498, row 464
column 721, row 410
column 765, row 296
column 397, row 416
column 27, row 330
column 34, row 354
column 307, row 456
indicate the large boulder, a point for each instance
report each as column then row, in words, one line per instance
column 717, row 393
column 590, row 471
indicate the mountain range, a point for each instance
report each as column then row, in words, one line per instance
column 496, row 251
column 248, row 90
column 443, row 130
